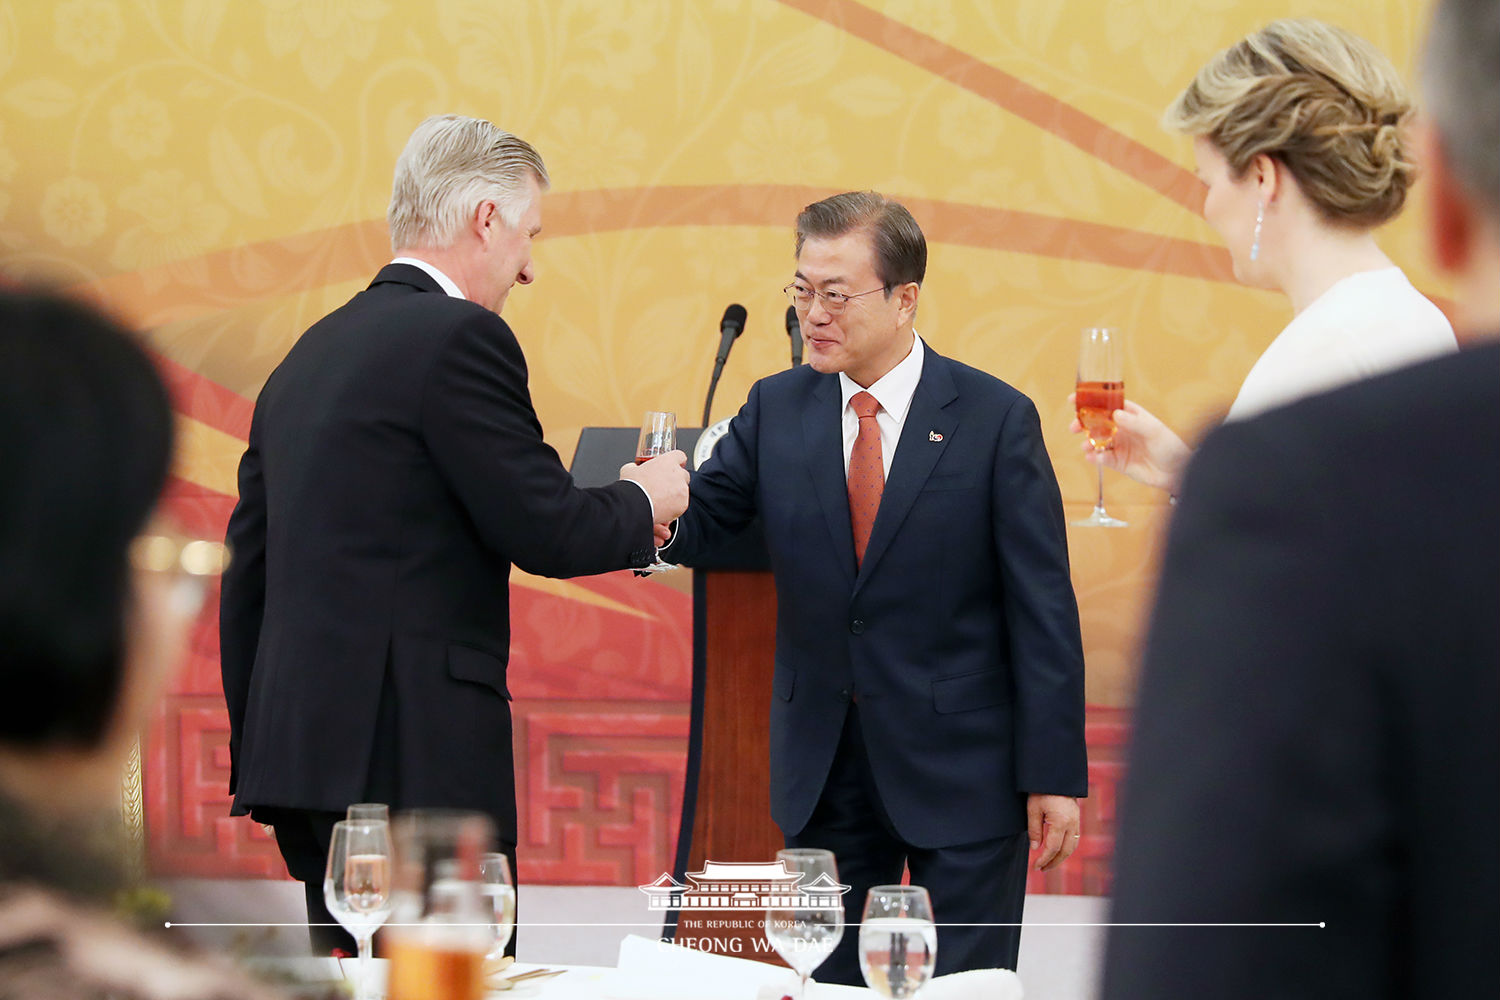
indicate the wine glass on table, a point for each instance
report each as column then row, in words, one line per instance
column 499, row 894
column 897, row 940
column 807, row 925
column 357, row 885
column 658, row 436
column 369, row 810
column 1100, row 392
column 439, row 931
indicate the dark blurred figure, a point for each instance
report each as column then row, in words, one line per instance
column 97, row 595
column 1318, row 735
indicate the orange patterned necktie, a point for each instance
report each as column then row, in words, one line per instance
column 866, row 473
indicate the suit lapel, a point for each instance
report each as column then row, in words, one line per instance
column 823, row 437
column 916, row 455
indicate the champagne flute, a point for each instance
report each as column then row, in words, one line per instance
column 439, row 931
column 658, row 436
column 897, row 940
column 1100, row 392
column 804, row 931
column 357, row 885
column 500, row 897
column 369, row 810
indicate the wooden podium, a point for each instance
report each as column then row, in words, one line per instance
column 726, row 807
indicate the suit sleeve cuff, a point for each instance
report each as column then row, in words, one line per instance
column 648, row 498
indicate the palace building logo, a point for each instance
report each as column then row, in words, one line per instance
column 754, row 886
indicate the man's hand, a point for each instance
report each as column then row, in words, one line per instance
column 1144, row 448
column 1052, row 824
column 665, row 480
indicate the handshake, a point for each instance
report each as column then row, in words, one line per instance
column 665, row 480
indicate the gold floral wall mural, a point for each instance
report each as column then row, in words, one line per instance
column 217, row 172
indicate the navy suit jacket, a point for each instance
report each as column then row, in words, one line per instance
column 395, row 471
column 1316, row 732
column 958, row 636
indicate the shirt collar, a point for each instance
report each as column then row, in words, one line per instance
column 894, row 390
column 448, row 284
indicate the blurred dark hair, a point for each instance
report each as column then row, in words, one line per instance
column 900, row 247
column 85, row 446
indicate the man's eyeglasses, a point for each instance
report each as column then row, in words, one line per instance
column 801, row 297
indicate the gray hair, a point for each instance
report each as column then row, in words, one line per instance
column 451, row 164
column 1461, row 86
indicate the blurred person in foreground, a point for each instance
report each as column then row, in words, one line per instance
column 1316, row 740
column 97, row 597
column 395, row 471
column 1300, row 134
column 927, row 704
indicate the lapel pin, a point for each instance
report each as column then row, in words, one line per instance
column 934, row 436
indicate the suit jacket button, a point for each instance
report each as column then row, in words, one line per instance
column 857, row 626
column 844, row 694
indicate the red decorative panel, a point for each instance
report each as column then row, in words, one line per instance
column 1087, row 872
column 601, row 785
column 186, row 759
column 602, row 688
column 600, row 781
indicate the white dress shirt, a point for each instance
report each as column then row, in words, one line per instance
column 893, row 392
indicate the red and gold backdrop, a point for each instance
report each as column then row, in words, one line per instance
column 217, row 170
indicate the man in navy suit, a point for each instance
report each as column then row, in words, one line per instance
column 395, row 471
column 927, row 705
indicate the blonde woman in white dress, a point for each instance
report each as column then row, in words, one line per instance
column 1299, row 135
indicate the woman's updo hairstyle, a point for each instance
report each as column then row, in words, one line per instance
column 1323, row 101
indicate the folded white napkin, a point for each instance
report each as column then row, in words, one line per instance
column 652, row 969
column 977, row 984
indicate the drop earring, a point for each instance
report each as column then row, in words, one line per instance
column 1260, row 217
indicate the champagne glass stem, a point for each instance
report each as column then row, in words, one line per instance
column 362, row 987
column 1099, row 503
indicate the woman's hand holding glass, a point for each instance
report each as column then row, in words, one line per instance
column 1143, row 448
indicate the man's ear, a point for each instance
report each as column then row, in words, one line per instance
column 486, row 218
column 1449, row 225
column 906, row 300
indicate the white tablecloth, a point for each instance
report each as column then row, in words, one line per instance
column 651, row 970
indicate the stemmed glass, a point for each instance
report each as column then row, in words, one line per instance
column 658, row 436
column 368, row 810
column 440, row 931
column 897, row 940
column 1100, row 392
column 500, row 896
column 806, row 927
column 357, row 885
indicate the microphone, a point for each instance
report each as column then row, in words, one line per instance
column 794, row 331
column 730, row 327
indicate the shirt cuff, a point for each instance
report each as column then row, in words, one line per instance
column 648, row 498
